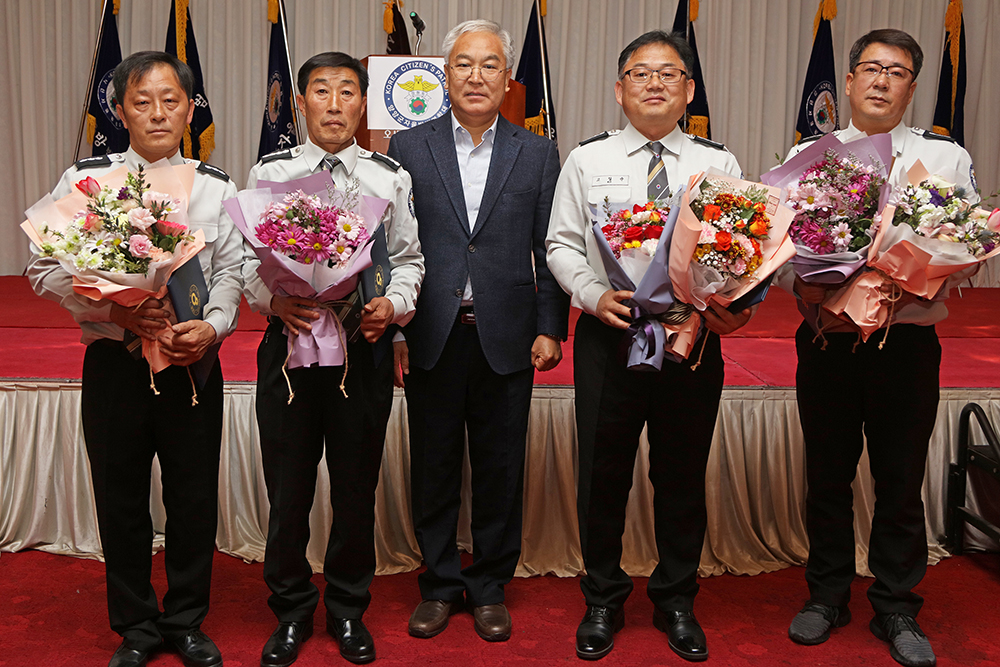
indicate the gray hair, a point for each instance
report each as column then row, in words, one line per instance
column 480, row 25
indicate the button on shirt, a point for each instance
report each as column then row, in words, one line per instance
column 615, row 167
column 474, row 167
column 377, row 179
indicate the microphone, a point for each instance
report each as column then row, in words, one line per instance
column 418, row 23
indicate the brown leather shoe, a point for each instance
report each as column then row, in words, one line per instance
column 430, row 618
column 492, row 622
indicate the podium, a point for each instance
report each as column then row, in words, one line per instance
column 404, row 91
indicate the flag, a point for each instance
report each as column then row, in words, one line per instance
column 533, row 72
column 949, row 112
column 818, row 109
column 397, row 40
column 696, row 117
column 105, row 132
column 278, row 129
column 199, row 136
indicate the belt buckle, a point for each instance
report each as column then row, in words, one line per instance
column 467, row 318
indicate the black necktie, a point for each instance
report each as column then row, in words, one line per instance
column 656, row 180
column 329, row 162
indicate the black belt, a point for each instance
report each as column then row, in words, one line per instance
column 466, row 316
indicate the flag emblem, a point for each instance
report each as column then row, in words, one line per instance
column 414, row 93
column 274, row 100
column 821, row 108
column 106, row 99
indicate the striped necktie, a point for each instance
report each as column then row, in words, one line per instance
column 329, row 162
column 656, row 181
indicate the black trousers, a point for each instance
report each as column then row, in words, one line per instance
column 679, row 406
column 462, row 392
column 292, row 439
column 891, row 397
column 125, row 424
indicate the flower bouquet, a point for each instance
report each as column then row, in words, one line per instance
column 936, row 233
column 312, row 241
column 121, row 237
column 838, row 192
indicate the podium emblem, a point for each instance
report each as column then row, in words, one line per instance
column 414, row 92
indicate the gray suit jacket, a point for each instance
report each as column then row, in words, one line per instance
column 514, row 301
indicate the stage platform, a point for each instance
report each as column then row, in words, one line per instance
column 755, row 477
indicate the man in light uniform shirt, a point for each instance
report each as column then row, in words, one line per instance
column 332, row 95
column 853, row 389
column 613, row 403
column 125, row 424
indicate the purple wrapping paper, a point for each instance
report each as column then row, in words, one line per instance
column 835, row 267
column 286, row 277
column 653, row 295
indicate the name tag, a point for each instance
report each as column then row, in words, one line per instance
column 610, row 181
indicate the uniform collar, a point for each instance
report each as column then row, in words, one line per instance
column 898, row 134
column 133, row 159
column 635, row 141
column 314, row 156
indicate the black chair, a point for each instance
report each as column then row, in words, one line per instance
column 987, row 458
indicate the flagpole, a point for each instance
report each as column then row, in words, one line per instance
column 291, row 74
column 90, row 80
column 545, row 73
column 687, row 38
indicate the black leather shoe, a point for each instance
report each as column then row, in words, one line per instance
column 596, row 635
column 684, row 635
column 197, row 650
column 126, row 656
column 282, row 649
column 356, row 643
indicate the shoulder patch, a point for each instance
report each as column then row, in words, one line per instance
column 277, row 155
column 386, row 160
column 927, row 134
column 206, row 168
column 93, row 161
column 806, row 140
column 707, row 142
column 598, row 137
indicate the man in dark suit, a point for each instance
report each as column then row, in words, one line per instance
column 489, row 314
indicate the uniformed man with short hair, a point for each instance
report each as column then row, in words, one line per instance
column 332, row 95
column 646, row 159
column 848, row 390
column 124, row 422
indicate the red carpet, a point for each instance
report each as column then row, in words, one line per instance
column 55, row 615
column 38, row 339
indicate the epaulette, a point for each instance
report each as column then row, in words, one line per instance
column 598, row 137
column 277, row 155
column 806, row 140
column 386, row 160
column 708, row 142
column 93, row 161
column 206, row 168
column 927, row 134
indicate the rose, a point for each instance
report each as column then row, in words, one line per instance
column 141, row 218
column 89, row 186
column 759, row 227
column 91, row 223
column 608, row 230
column 723, row 241
column 159, row 254
column 712, row 212
column 654, row 231
column 993, row 223
column 633, row 234
column 139, row 245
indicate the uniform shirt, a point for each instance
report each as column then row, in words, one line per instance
column 474, row 167
column 613, row 165
column 220, row 258
column 379, row 176
column 937, row 153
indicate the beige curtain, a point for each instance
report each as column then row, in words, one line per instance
column 754, row 54
column 755, row 479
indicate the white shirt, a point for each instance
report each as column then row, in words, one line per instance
column 377, row 178
column 613, row 165
column 220, row 259
column 474, row 167
column 909, row 144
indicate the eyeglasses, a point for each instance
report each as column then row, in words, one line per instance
column 489, row 72
column 896, row 73
column 643, row 74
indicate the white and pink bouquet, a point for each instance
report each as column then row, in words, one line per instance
column 121, row 236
